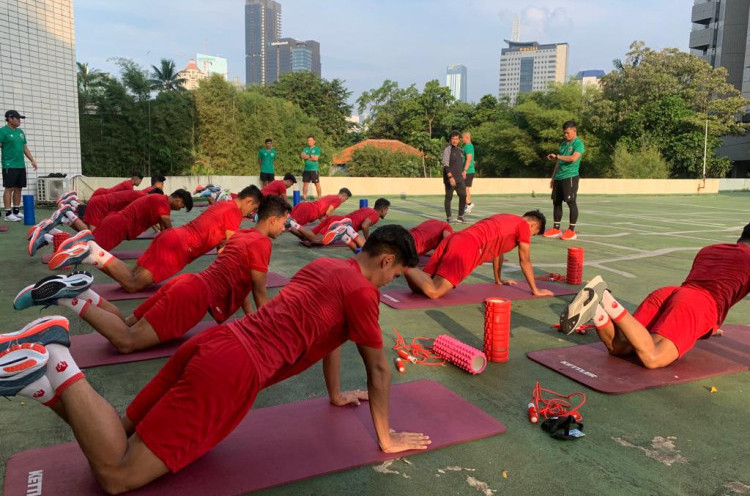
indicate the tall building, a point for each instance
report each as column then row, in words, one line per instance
column 210, row 64
column 530, row 66
column 290, row 55
column 592, row 77
column 262, row 26
column 38, row 68
column 720, row 36
column 191, row 76
column 455, row 79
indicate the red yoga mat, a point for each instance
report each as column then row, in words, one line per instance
column 4, row 228
column 93, row 350
column 147, row 235
column 335, row 244
column 124, row 255
column 594, row 367
column 278, row 445
column 465, row 294
column 112, row 291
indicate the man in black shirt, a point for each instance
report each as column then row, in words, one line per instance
column 453, row 167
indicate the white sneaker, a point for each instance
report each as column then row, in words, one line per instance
column 19, row 215
column 12, row 218
column 469, row 208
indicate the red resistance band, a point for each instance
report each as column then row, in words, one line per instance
column 416, row 352
column 556, row 404
column 581, row 329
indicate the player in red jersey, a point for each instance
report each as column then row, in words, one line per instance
column 135, row 180
column 667, row 324
column 100, row 206
column 221, row 289
column 149, row 210
column 307, row 212
column 171, row 250
column 429, row 234
column 279, row 186
column 211, row 382
column 346, row 227
column 458, row 255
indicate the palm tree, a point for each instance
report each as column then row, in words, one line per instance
column 88, row 79
column 165, row 78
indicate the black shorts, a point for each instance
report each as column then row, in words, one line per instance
column 469, row 179
column 311, row 177
column 267, row 177
column 14, row 178
column 565, row 190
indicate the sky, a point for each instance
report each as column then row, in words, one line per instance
column 364, row 42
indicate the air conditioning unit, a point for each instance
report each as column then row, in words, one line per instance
column 49, row 189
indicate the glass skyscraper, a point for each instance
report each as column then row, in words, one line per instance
column 455, row 80
column 262, row 26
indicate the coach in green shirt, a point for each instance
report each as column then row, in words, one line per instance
column 468, row 168
column 266, row 159
column 311, row 155
column 564, row 181
column 13, row 146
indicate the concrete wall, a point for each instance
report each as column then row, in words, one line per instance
column 386, row 186
column 734, row 184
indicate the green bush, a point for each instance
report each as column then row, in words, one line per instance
column 645, row 163
column 371, row 161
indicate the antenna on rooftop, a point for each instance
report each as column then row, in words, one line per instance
column 516, row 32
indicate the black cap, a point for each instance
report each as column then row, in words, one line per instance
column 290, row 177
column 13, row 113
column 745, row 233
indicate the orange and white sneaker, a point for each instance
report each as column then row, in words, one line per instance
column 75, row 255
column 568, row 235
column 45, row 330
column 552, row 233
column 21, row 365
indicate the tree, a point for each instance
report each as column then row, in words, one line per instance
column 165, row 77
column 371, row 161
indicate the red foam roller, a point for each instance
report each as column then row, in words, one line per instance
column 575, row 266
column 496, row 329
column 58, row 238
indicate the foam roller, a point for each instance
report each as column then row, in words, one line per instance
column 460, row 354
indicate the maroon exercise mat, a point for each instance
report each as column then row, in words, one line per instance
column 112, row 291
column 335, row 244
column 4, row 228
column 594, row 367
column 465, row 294
column 277, row 445
column 93, row 350
column 147, row 235
column 124, row 255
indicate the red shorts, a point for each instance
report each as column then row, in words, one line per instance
column 112, row 231
column 455, row 259
column 166, row 255
column 197, row 399
column 681, row 314
column 178, row 306
column 95, row 213
column 304, row 213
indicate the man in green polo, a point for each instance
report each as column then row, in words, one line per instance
column 311, row 155
column 13, row 145
column 266, row 159
column 564, row 181
column 468, row 168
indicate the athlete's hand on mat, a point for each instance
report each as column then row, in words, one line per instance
column 718, row 332
column 350, row 398
column 544, row 292
column 404, row 441
column 507, row 282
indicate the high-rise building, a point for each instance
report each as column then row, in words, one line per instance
column 262, row 26
column 530, row 66
column 721, row 37
column 290, row 55
column 455, row 79
column 591, row 77
column 191, row 76
column 38, row 68
column 211, row 64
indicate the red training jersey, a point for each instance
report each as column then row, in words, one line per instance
column 498, row 234
column 144, row 213
column 209, row 229
column 327, row 201
column 357, row 217
column 100, row 205
column 723, row 271
column 284, row 339
column 277, row 187
column 429, row 234
column 125, row 185
column 228, row 278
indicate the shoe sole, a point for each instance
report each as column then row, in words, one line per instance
column 52, row 288
column 71, row 256
column 332, row 235
column 45, row 330
column 36, row 236
column 20, row 366
column 18, row 301
column 583, row 306
column 79, row 237
column 559, row 235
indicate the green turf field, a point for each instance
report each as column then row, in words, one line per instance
column 677, row 440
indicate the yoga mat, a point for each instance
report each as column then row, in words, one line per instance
column 93, row 350
column 146, row 235
column 335, row 244
column 466, row 293
column 594, row 367
column 277, row 445
column 112, row 291
column 123, row 255
column 3, row 228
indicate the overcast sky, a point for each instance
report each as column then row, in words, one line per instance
column 364, row 42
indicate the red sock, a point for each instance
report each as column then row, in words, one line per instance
column 613, row 307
